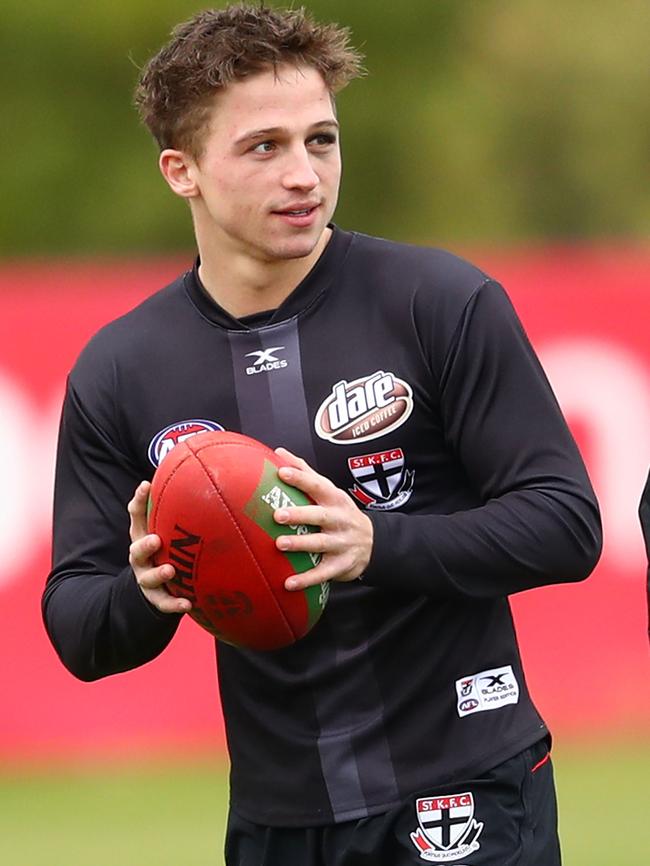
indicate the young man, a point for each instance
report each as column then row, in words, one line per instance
column 400, row 730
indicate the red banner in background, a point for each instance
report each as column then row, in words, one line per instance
column 585, row 646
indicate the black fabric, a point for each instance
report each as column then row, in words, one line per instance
column 644, row 515
column 403, row 375
column 513, row 823
column 257, row 320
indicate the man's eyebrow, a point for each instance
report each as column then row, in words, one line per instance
column 271, row 131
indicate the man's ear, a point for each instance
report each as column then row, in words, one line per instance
column 178, row 170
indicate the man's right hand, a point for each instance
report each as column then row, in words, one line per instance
column 151, row 579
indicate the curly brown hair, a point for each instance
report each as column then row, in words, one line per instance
column 175, row 92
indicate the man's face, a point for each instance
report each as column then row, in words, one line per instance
column 268, row 177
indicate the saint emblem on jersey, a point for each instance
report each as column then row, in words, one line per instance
column 364, row 409
column 163, row 442
column 447, row 828
column 382, row 480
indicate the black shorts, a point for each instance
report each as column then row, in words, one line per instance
column 507, row 817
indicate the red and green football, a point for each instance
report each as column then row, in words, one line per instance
column 212, row 502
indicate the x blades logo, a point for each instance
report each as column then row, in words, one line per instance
column 487, row 690
column 265, row 361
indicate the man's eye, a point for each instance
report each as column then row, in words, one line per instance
column 323, row 139
column 263, row 147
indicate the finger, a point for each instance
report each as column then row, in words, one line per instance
column 308, row 542
column 319, row 574
column 137, row 509
column 334, row 567
column 141, row 550
column 165, row 602
column 300, row 474
column 311, row 515
column 291, row 458
column 316, row 486
column 170, row 604
column 154, row 578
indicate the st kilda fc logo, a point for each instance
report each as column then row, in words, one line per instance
column 163, row 442
column 447, row 828
column 382, row 480
column 364, row 409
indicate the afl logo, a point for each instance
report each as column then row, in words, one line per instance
column 163, row 442
column 364, row 409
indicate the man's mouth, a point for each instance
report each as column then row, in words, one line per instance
column 298, row 211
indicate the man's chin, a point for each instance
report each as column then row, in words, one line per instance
column 298, row 252
column 298, row 248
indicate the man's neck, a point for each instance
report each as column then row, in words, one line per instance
column 244, row 286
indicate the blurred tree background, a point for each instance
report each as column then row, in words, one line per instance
column 480, row 122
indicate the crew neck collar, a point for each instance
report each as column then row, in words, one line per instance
column 305, row 293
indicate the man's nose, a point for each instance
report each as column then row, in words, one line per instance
column 300, row 172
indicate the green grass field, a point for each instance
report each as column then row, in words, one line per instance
column 156, row 815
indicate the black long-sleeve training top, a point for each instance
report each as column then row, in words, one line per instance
column 404, row 375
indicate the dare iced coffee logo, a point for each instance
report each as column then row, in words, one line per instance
column 364, row 409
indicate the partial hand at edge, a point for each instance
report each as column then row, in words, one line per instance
column 150, row 578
